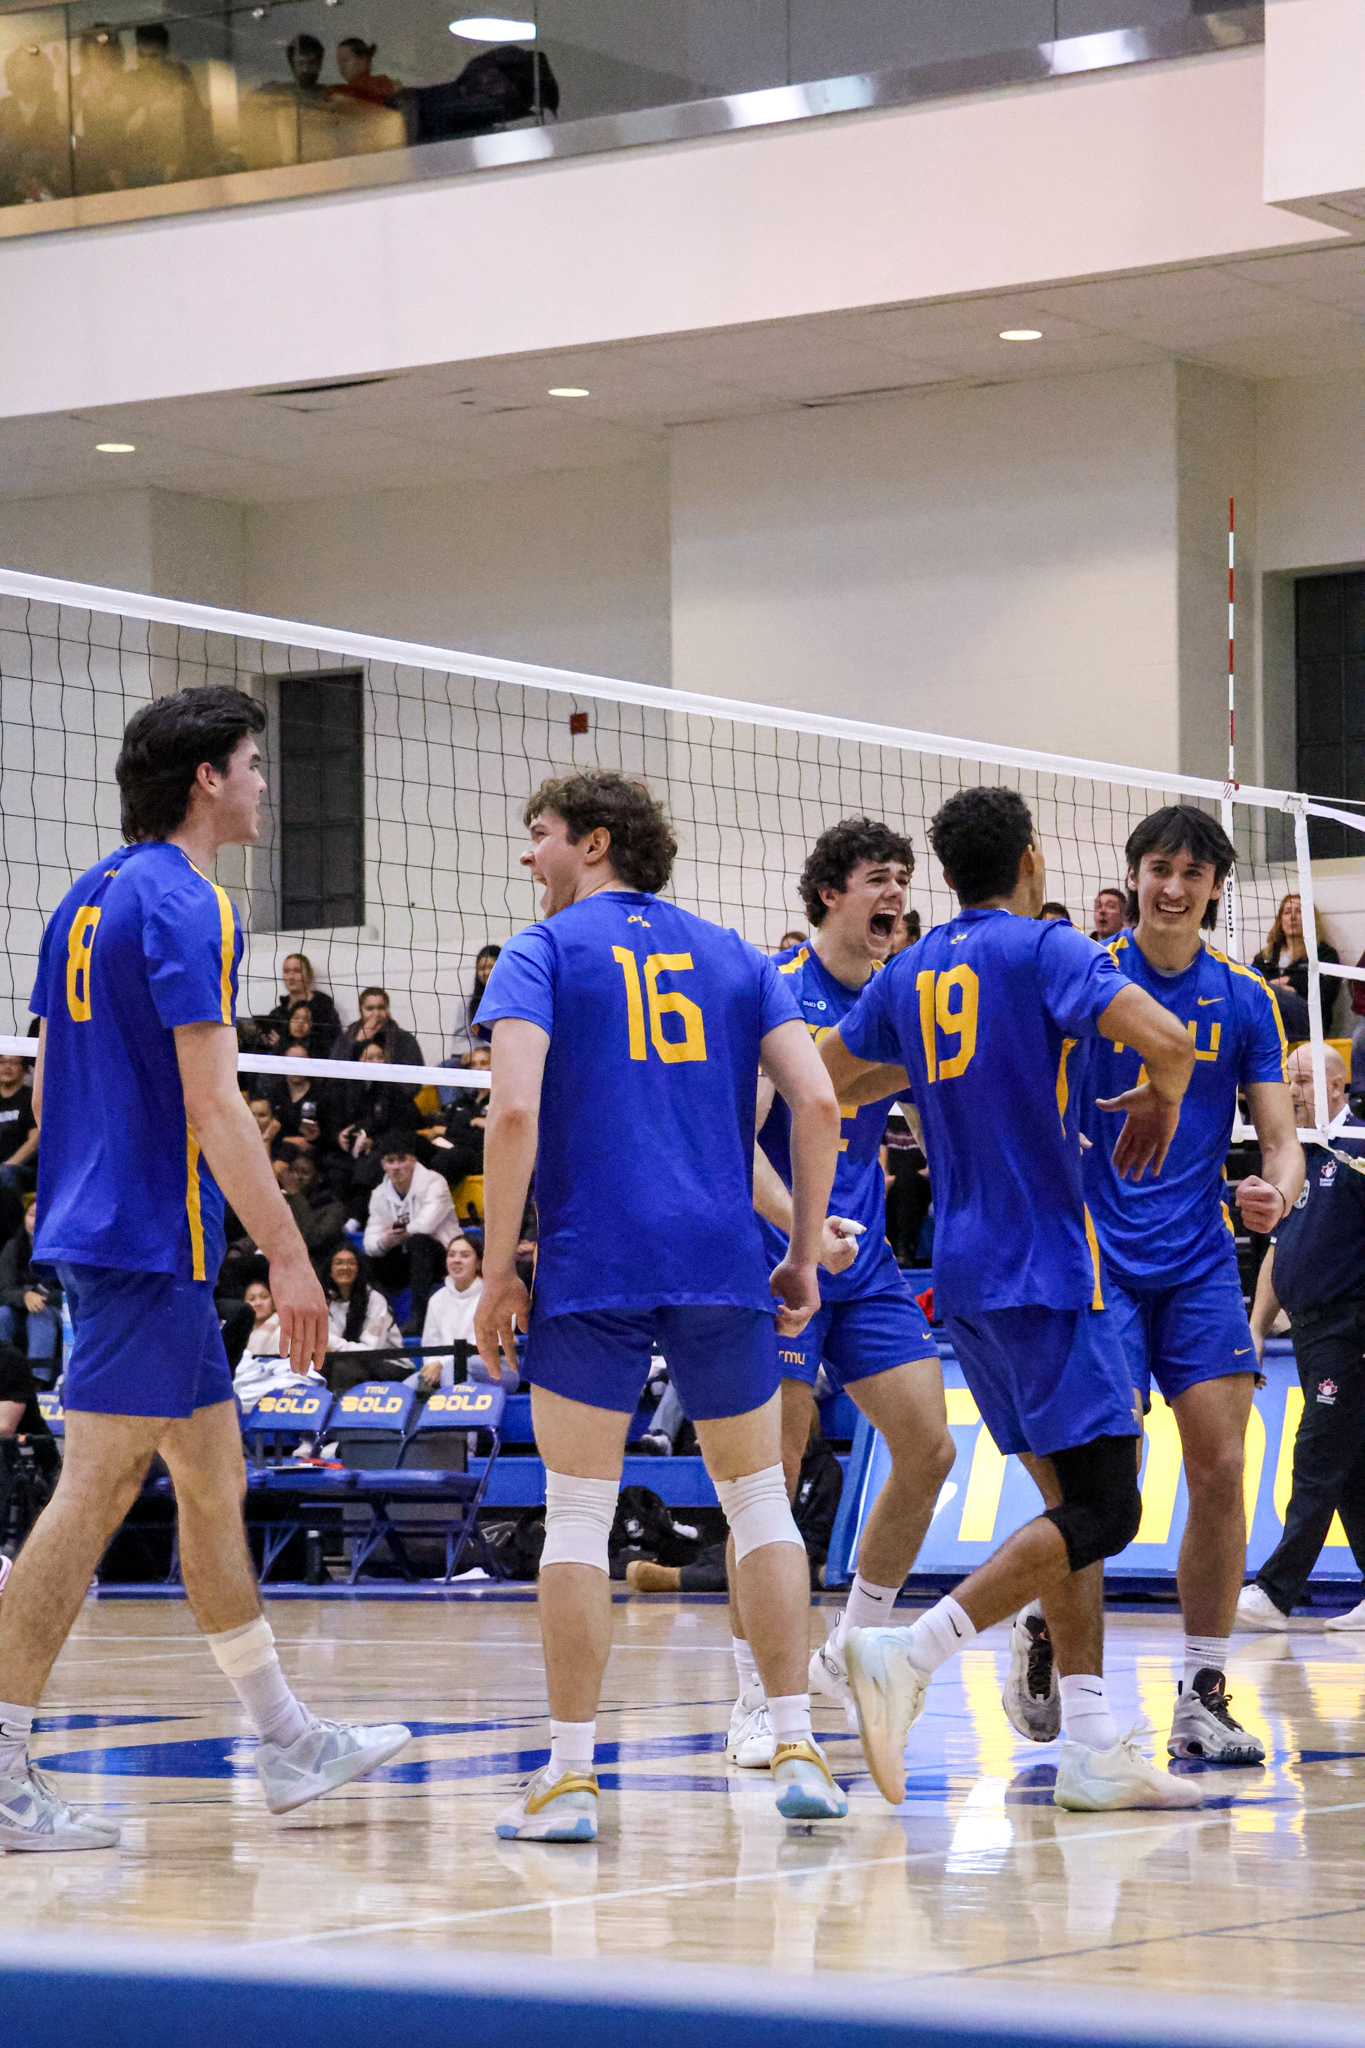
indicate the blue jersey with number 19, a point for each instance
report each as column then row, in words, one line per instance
column 141, row 943
column 644, row 1176
column 984, row 1014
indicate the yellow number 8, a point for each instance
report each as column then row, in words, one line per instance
column 79, row 940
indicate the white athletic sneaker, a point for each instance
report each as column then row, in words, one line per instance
column 888, row 1692
column 828, row 1676
column 1032, row 1698
column 6, row 1567
column 1109, row 1780
column 1202, row 1726
column 562, row 1809
column 1256, row 1609
column 1351, row 1622
column 326, row 1755
column 805, row 1788
column 33, row 1817
column 751, row 1743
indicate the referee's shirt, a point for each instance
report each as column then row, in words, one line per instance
column 1320, row 1244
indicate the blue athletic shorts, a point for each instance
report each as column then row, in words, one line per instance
column 721, row 1359
column 1046, row 1379
column 855, row 1339
column 145, row 1344
column 1197, row 1331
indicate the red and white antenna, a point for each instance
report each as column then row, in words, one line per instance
column 1229, row 886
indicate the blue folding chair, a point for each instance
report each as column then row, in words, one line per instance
column 271, row 1432
column 369, row 1426
column 434, row 1491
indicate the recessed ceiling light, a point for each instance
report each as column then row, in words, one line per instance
column 115, row 448
column 493, row 28
column 569, row 391
column 1021, row 334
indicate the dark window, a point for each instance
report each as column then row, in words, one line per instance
column 1329, row 681
column 322, row 801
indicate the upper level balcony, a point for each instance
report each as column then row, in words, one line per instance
column 108, row 115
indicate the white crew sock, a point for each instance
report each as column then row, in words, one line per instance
column 571, row 1747
column 791, row 1717
column 1205, row 1653
column 935, row 1636
column 16, row 1725
column 247, row 1658
column 1086, row 1713
column 868, row 1606
column 746, row 1670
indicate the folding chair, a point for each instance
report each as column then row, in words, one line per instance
column 436, row 1457
column 369, row 1424
column 271, row 1432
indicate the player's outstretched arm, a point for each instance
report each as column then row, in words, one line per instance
column 792, row 1063
column 231, row 1142
column 509, row 1157
column 857, row 1081
column 1265, row 1197
column 1152, row 1110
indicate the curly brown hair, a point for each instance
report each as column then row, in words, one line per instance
column 838, row 851
column 642, row 843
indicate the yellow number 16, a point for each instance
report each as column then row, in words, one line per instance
column 672, row 1051
column 937, row 1012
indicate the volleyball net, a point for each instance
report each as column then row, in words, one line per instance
column 398, row 773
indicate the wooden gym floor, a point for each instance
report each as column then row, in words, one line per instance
column 977, row 1875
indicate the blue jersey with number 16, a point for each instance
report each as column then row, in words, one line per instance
column 984, row 1014
column 644, row 1176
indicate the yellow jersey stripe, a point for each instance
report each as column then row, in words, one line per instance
column 228, row 934
column 796, row 962
column 1097, row 1299
column 1236, row 967
column 1064, row 1078
column 194, row 1204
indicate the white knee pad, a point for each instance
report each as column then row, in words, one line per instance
column 240, row 1651
column 578, row 1518
column 758, row 1511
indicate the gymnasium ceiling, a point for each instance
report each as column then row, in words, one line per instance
column 1267, row 317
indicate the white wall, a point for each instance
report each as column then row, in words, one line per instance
column 170, row 542
column 1311, row 471
column 997, row 563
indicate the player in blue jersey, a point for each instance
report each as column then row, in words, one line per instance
column 870, row 1333
column 627, row 1036
column 144, row 1130
column 981, row 1019
column 1169, row 1256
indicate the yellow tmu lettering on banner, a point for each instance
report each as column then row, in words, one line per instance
column 1162, row 1476
column 984, row 1482
column 1284, row 1464
column 1254, row 1455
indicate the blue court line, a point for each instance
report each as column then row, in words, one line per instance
column 53, row 1724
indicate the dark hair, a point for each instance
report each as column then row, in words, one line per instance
column 480, row 987
column 399, row 1146
column 152, row 35
column 306, row 45
column 375, row 991
column 474, row 1239
column 837, row 852
column 642, row 842
column 164, row 746
column 980, row 837
column 1181, row 828
column 304, row 962
column 358, row 1305
column 1122, row 895
column 359, row 45
column 1056, row 910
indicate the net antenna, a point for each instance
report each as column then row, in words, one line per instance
column 1230, row 935
column 392, row 849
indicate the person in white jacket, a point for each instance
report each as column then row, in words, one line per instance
column 450, row 1318
column 411, row 1221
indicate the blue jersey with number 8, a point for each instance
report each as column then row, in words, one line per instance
column 983, row 1014
column 141, row 943
column 644, row 1176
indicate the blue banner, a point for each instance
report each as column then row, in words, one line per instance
column 986, row 1497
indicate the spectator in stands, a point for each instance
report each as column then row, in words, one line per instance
column 264, row 1341
column 458, row 1141
column 102, row 107
column 1056, row 913
column 361, row 1322
column 791, row 938
column 411, row 1221
column 321, row 1217
column 296, row 972
column 450, row 1319
column 20, row 1414
column 30, row 1304
column 463, row 1040
column 375, row 1026
column 306, row 57
column 34, row 151
column 267, row 1123
column 293, row 1100
column 1111, row 915
column 360, row 84
column 506, row 84
column 1283, row 962
column 904, row 932
column 168, row 131
column 356, row 1116
column 18, row 1127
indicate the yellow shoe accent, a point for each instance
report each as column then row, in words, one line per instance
column 807, row 1752
column 572, row 1781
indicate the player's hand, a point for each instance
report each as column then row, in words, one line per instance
column 34, row 1302
column 503, row 1309
column 797, row 1288
column 302, row 1306
column 839, row 1243
column 1148, row 1130
column 1261, row 1203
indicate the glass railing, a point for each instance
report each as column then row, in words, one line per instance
column 97, row 102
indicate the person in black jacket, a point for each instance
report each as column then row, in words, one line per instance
column 30, row 1302
column 355, row 1117
column 296, row 972
column 1283, row 962
column 457, row 1142
column 375, row 1026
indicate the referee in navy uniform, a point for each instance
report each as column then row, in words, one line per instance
column 1315, row 1271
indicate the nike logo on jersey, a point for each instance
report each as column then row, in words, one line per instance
column 1209, row 999
column 1242, row 1351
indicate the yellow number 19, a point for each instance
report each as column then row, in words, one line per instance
column 673, row 1052
column 937, row 1013
column 79, row 940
